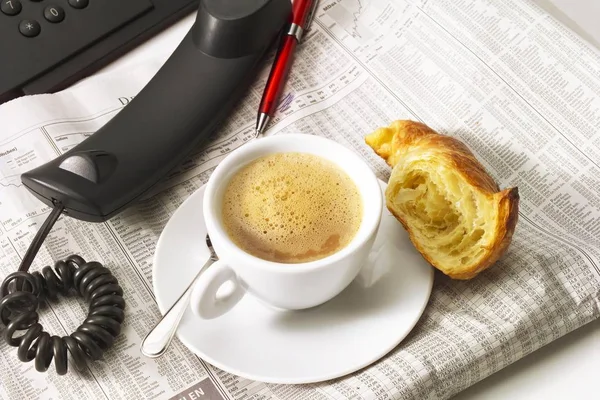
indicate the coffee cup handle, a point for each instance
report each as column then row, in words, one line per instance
column 204, row 300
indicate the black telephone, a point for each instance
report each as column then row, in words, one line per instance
column 178, row 110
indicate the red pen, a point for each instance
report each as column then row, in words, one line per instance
column 302, row 13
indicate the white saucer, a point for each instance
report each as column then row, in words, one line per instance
column 355, row 329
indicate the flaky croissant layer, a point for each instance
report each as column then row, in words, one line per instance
column 453, row 210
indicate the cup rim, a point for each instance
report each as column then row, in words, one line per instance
column 230, row 164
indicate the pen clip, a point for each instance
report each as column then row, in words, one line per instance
column 311, row 15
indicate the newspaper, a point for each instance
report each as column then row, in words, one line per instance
column 519, row 89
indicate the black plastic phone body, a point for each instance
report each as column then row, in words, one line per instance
column 176, row 111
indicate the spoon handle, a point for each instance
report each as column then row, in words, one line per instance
column 159, row 338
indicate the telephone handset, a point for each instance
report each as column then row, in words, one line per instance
column 177, row 110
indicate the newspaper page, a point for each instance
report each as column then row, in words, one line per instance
column 518, row 88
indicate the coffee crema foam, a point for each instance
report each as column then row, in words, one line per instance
column 291, row 208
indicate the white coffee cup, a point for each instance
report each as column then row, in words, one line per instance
column 284, row 286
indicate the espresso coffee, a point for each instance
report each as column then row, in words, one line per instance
column 291, row 208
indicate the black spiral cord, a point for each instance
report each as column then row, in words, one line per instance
column 21, row 294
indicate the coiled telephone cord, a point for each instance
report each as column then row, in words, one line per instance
column 21, row 294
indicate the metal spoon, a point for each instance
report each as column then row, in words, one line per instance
column 158, row 340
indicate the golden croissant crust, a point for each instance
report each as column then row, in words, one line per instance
column 453, row 210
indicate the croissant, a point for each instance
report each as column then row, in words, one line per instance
column 453, row 210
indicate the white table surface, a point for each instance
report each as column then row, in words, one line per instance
column 579, row 15
column 566, row 368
